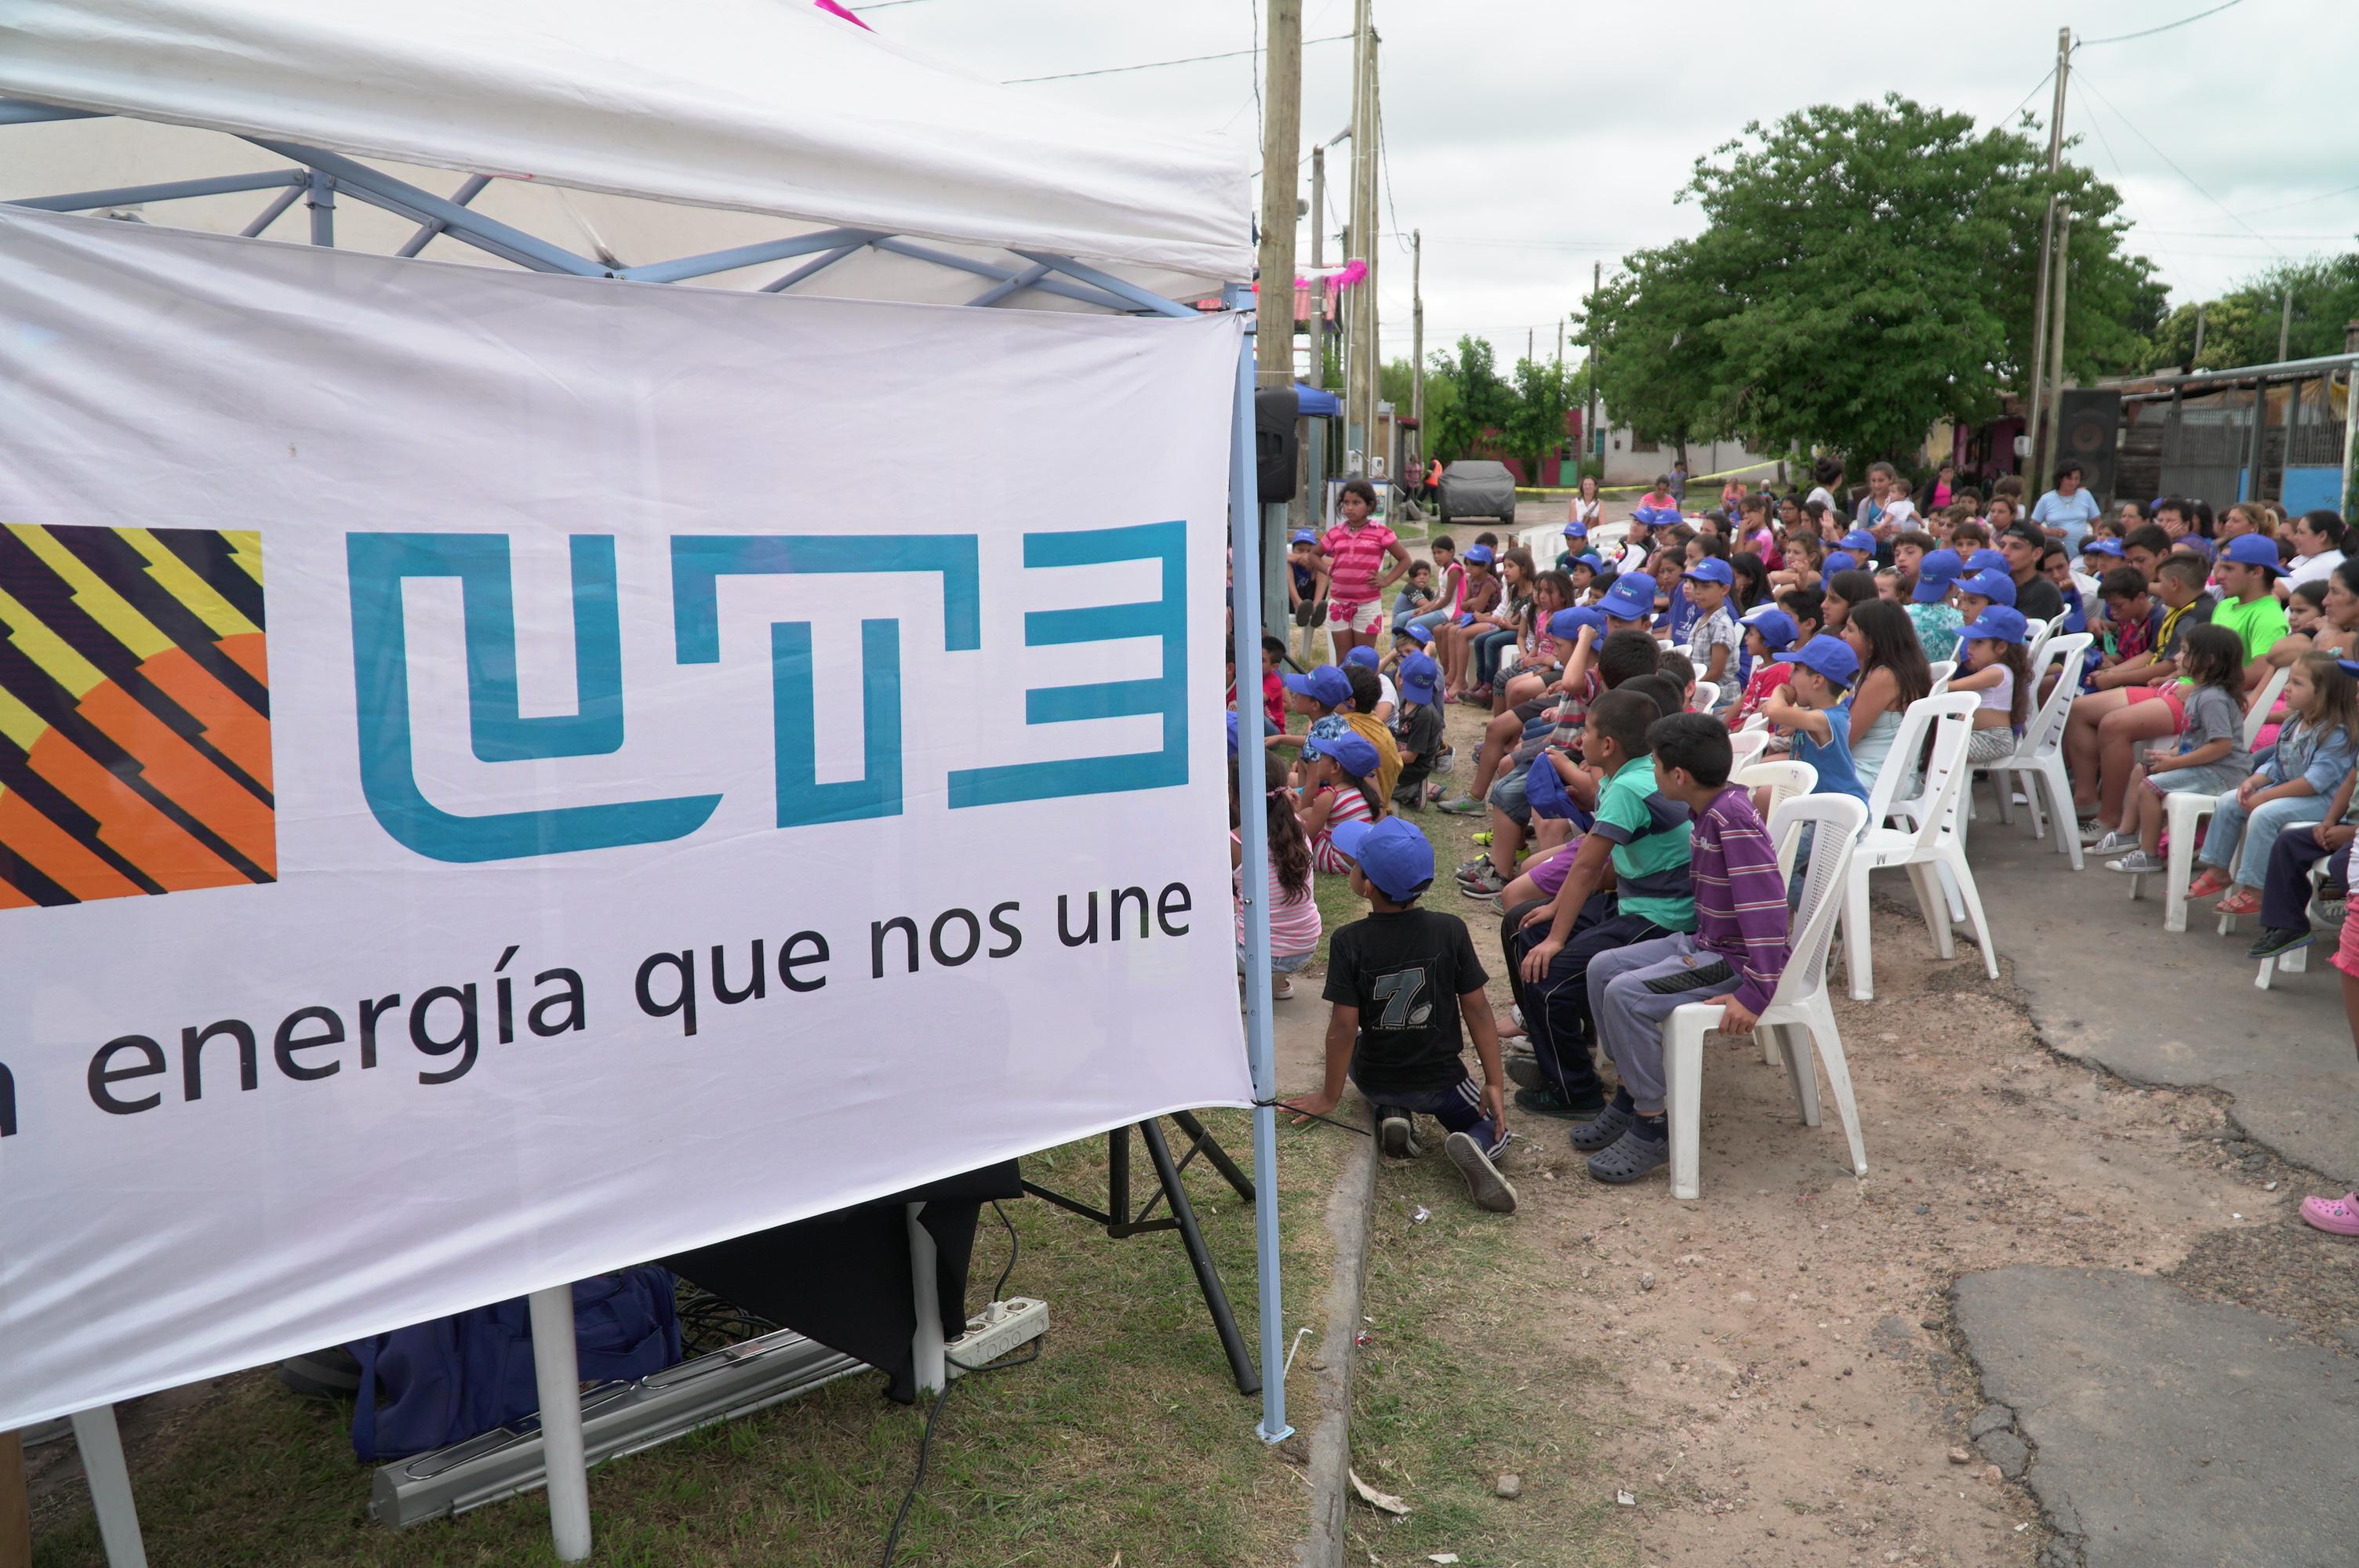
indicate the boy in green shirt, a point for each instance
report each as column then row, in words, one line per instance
column 2248, row 603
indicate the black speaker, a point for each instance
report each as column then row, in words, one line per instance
column 1276, row 408
column 2088, row 432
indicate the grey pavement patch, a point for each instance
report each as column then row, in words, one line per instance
column 2166, row 1431
column 2106, row 984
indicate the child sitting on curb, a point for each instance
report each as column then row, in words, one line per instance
column 1735, row 956
column 1401, row 981
column 1339, row 785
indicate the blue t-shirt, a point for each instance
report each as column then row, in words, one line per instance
column 2073, row 515
column 1832, row 758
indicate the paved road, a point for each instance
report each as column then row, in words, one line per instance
column 2158, row 1430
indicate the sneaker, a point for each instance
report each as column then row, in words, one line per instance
column 1525, row 1072
column 1544, row 1100
column 1398, row 1138
column 1445, row 759
column 1603, row 1130
column 1629, row 1157
column 1515, row 1012
column 2115, row 842
column 1462, row 806
column 2137, row 862
column 2338, row 1217
column 2332, row 910
column 1483, row 881
column 2274, row 941
column 1468, row 868
column 1490, row 1190
column 1281, row 987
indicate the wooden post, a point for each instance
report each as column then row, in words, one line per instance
column 1281, row 150
column 15, row 1510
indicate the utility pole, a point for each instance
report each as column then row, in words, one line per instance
column 1281, row 144
column 2053, row 430
column 2033, row 422
column 2285, row 325
column 1317, row 260
column 2195, row 360
column 1372, row 357
column 1416, row 339
column 1355, row 301
column 1559, row 343
column 1589, row 421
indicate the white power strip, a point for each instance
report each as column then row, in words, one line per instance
column 1003, row 1327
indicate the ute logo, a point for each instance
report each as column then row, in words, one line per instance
column 134, row 714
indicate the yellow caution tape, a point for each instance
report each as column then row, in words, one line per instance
column 1604, row 489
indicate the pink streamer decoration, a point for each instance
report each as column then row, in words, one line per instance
column 833, row 9
column 1355, row 272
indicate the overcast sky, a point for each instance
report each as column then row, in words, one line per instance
column 1529, row 139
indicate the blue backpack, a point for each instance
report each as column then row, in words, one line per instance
column 433, row 1384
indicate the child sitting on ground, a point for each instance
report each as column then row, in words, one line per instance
column 1365, row 714
column 1997, row 667
column 1293, row 910
column 1734, row 956
column 1339, row 785
column 1401, row 981
column 2210, row 758
column 2288, row 787
column 1417, row 730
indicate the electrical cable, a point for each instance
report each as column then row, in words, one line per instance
column 1158, row 64
column 1281, row 1105
column 2166, row 26
column 2131, row 126
column 1261, row 115
column 2304, row 201
column 2028, row 97
column 926, row 1439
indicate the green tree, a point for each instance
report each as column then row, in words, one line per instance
column 2239, row 327
column 1477, row 406
column 1864, row 274
column 1534, row 424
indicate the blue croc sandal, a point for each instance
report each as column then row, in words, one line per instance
column 1631, row 1157
column 1604, row 1129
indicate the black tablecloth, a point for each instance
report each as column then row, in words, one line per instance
column 844, row 1279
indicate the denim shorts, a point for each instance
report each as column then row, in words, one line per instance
column 1279, row 963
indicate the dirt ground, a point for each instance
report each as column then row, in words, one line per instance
column 1790, row 1391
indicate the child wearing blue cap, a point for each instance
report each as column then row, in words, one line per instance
column 1416, row 597
column 1339, row 785
column 2246, row 572
column 1930, row 610
column 1319, row 692
column 1306, row 588
column 1417, row 730
column 1996, row 666
column 1407, row 988
column 1811, row 708
column 1769, row 632
column 1713, row 637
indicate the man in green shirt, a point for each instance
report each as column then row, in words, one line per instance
column 2248, row 606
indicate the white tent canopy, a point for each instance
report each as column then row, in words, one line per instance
column 760, row 107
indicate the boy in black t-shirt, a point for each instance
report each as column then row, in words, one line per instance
column 1399, row 981
column 1416, row 729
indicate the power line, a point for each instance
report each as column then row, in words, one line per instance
column 2029, row 96
column 1152, row 64
column 2304, row 201
column 2166, row 26
column 2131, row 126
column 1261, row 115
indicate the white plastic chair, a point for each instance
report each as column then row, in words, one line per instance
column 2184, row 812
column 2035, row 631
column 1784, row 780
column 1745, row 748
column 1931, row 847
column 2039, row 757
column 2296, row 961
column 1943, row 670
column 1799, row 1022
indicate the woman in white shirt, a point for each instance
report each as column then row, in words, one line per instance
column 1587, row 510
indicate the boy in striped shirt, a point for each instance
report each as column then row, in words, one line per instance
column 1734, row 956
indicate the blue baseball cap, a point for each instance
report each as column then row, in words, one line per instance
column 1233, row 734
column 2102, row 547
column 1937, row 574
column 1712, row 568
column 1629, row 599
column 1589, row 558
column 1860, row 539
column 1418, row 634
column 2253, row 550
column 1544, row 789
column 1576, row 530
column 1647, row 517
column 1363, row 656
column 1566, row 624
column 2195, row 543
column 1996, row 624
column 1839, row 561
column 1829, row 656
column 1987, row 561
column 1353, row 752
column 1420, row 679
column 1305, row 536
column 1479, row 555
column 1326, row 685
column 1997, row 587
column 2348, row 666
column 1392, row 854
column 1776, row 628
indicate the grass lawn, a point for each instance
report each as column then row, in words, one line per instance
column 1126, row 1437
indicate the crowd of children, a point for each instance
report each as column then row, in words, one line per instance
column 1632, row 875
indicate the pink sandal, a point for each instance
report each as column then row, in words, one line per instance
column 2338, row 1217
column 2239, row 903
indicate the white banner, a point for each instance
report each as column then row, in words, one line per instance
column 505, row 776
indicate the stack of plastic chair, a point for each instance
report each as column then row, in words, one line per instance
column 1928, row 847
column 2039, row 756
column 1798, row 1024
column 2184, row 812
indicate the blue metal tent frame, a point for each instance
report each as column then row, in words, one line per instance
column 317, row 178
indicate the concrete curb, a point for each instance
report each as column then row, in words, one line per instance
column 1349, row 1208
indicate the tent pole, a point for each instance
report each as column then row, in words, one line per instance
column 110, row 1487
column 557, row 1369
column 1245, row 524
column 932, row 1365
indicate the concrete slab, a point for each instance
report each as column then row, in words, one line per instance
column 2107, row 984
column 2165, row 1430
